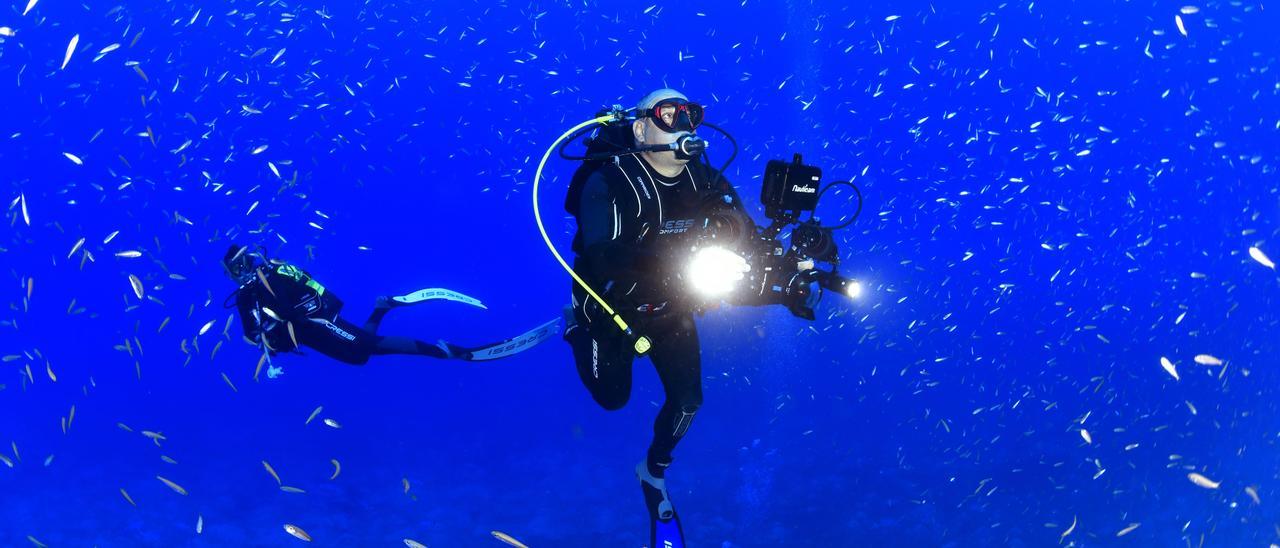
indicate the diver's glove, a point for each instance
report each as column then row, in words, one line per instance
column 274, row 372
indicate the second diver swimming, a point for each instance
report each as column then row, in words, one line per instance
column 282, row 307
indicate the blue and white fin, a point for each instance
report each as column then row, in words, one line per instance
column 516, row 345
column 433, row 293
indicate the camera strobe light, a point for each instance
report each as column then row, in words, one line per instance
column 715, row 271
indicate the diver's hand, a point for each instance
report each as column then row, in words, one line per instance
column 274, row 372
column 260, row 341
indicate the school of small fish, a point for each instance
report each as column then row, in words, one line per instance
column 1030, row 232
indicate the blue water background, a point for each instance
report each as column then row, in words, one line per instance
column 1019, row 289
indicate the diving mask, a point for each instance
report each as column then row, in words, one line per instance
column 675, row 115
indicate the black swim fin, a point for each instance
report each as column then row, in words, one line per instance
column 665, row 530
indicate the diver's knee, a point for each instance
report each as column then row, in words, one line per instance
column 689, row 400
column 355, row 360
column 611, row 402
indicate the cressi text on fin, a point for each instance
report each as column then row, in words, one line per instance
column 433, row 293
column 515, row 345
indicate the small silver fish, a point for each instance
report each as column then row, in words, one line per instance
column 1203, row 481
column 297, row 532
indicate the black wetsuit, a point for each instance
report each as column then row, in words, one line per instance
column 295, row 299
column 629, row 219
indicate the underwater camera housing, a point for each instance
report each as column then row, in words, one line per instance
column 789, row 189
column 785, row 273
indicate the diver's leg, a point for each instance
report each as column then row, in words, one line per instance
column 601, row 355
column 339, row 339
column 407, row 345
column 604, row 365
column 676, row 356
column 380, row 309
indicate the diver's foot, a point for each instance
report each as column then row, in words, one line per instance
column 453, row 351
column 655, row 493
column 570, row 320
column 386, row 303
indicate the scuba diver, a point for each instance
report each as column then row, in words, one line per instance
column 282, row 308
column 622, row 208
column 663, row 236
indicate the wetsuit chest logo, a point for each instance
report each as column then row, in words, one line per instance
column 679, row 226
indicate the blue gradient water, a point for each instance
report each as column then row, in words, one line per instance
column 1058, row 195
